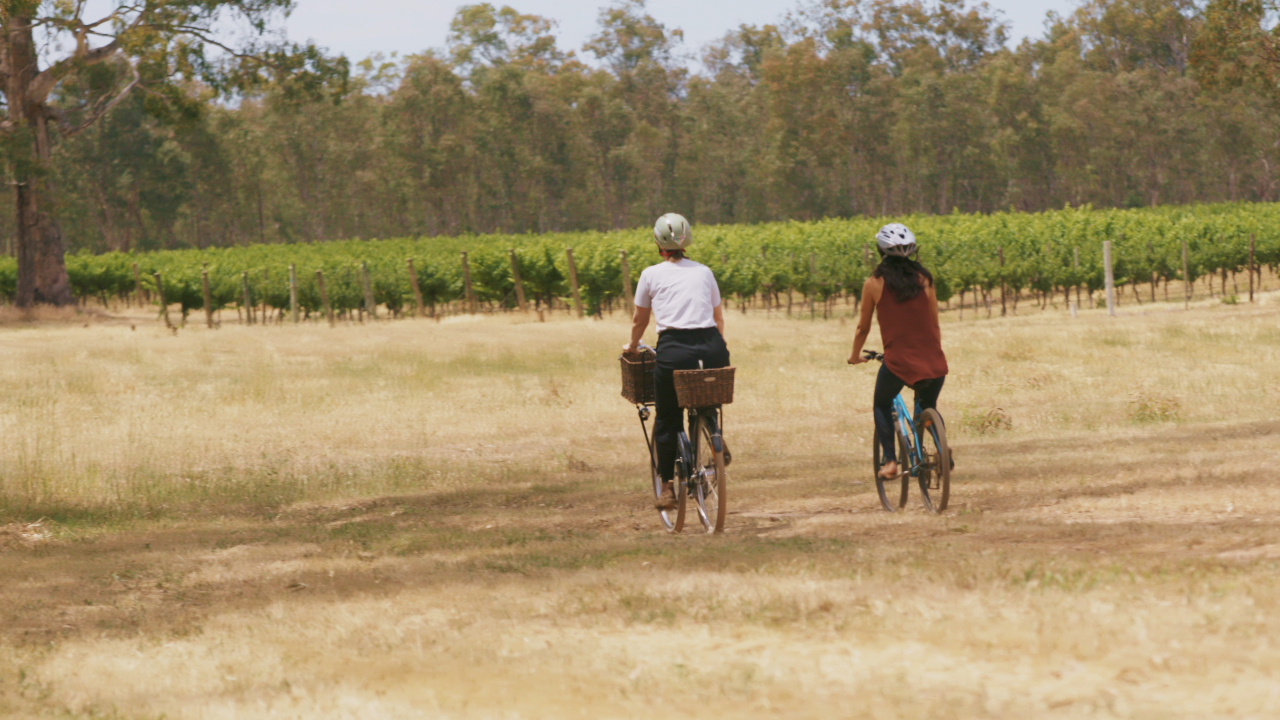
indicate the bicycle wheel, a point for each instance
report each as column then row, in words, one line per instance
column 885, row 487
column 709, row 479
column 684, row 461
column 935, row 462
column 668, row 517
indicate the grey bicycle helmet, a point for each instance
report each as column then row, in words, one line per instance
column 896, row 239
column 672, row 232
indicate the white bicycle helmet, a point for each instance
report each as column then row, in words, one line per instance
column 896, row 239
column 672, row 232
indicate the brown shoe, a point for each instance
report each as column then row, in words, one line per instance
column 667, row 500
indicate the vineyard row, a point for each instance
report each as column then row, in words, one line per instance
column 974, row 257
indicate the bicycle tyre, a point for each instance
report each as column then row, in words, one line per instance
column 935, row 465
column 666, row 517
column 684, row 458
column 883, row 486
column 710, row 491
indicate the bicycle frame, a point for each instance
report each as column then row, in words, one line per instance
column 906, row 426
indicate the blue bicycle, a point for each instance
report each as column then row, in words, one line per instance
column 922, row 454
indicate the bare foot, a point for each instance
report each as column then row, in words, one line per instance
column 889, row 470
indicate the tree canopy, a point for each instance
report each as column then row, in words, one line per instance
column 843, row 108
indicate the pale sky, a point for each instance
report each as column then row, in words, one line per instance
column 411, row 26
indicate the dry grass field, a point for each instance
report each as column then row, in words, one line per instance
column 449, row 520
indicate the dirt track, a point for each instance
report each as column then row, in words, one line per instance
column 1128, row 570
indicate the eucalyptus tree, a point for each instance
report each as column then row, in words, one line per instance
column 62, row 71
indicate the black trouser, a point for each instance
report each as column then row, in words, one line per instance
column 679, row 350
column 888, row 386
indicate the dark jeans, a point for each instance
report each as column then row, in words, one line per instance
column 679, row 350
column 888, row 386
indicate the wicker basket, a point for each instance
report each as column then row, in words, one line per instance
column 637, row 377
column 704, row 388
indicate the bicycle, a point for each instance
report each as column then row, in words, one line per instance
column 700, row 455
column 931, row 466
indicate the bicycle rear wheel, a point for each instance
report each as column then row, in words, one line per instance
column 935, row 461
column 885, row 487
column 709, row 479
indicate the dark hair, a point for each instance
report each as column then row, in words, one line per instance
column 902, row 276
column 669, row 254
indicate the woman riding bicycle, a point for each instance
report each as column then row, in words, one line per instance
column 683, row 297
column 900, row 292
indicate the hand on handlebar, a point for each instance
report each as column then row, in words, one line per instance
column 867, row 356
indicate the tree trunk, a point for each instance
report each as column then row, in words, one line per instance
column 42, row 273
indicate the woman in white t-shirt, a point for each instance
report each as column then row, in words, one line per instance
column 683, row 297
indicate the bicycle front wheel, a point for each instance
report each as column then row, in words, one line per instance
column 885, row 487
column 684, row 462
column 709, row 479
column 667, row 517
column 935, row 461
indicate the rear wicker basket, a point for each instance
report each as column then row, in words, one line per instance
column 704, row 388
column 637, row 377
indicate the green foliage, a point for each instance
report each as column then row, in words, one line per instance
column 821, row 258
column 847, row 109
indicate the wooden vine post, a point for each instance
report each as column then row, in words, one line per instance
column 1075, row 263
column 626, row 281
column 791, row 265
column 1251, row 267
column 573, row 281
column 1186, row 278
column 266, row 281
column 417, row 292
column 768, row 287
column 1151, row 253
column 1109, row 277
column 248, row 305
column 515, row 278
column 813, row 281
column 324, row 296
column 369, row 305
column 208, row 298
column 1004, row 290
column 466, row 281
column 164, row 305
column 293, row 293
column 137, row 285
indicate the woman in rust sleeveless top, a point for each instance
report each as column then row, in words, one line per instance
column 901, row 294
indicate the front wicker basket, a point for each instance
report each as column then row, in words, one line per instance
column 704, row 388
column 637, row 377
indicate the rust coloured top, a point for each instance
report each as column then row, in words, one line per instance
column 912, row 342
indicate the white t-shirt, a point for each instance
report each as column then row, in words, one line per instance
column 682, row 294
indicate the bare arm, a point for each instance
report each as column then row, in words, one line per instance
column 639, row 323
column 932, row 294
column 719, row 315
column 870, row 297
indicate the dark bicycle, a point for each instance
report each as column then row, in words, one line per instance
column 922, row 454
column 700, row 459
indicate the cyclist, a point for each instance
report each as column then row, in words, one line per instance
column 684, row 299
column 901, row 293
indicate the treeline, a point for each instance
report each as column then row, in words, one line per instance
column 849, row 108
